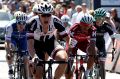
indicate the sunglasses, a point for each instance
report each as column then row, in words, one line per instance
column 45, row 15
column 21, row 23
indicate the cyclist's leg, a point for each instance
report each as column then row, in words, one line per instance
column 60, row 55
column 69, row 69
column 91, row 57
column 102, row 58
column 38, row 68
column 31, row 52
column 9, row 55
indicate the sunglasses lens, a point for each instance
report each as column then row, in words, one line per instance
column 21, row 23
column 46, row 15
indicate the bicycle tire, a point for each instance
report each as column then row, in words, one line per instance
column 102, row 71
column 14, row 70
column 96, row 71
column 23, row 72
column 81, row 72
column 15, row 67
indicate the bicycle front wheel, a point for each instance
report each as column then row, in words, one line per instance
column 102, row 70
column 23, row 72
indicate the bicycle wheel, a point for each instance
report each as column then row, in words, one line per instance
column 96, row 71
column 23, row 72
column 102, row 70
column 15, row 66
column 81, row 72
column 15, row 70
column 18, row 69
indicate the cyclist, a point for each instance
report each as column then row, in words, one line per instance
column 66, row 22
column 83, row 37
column 14, row 28
column 102, row 28
column 45, row 28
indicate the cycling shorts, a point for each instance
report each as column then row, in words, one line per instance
column 51, row 47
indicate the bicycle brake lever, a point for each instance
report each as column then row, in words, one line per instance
column 113, row 52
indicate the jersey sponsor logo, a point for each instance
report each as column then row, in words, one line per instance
column 94, row 34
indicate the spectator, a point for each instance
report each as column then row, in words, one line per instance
column 78, row 9
column 82, row 13
column 115, row 18
column 12, row 8
column 57, row 10
column 71, row 10
column 23, row 8
column 110, row 21
column 64, row 6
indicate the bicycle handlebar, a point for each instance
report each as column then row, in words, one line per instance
column 51, row 61
column 113, row 52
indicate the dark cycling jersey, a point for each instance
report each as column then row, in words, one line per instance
column 100, row 32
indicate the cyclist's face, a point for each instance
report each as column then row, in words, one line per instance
column 21, row 26
column 45, row 18
column 85, row 27
column 99, row 20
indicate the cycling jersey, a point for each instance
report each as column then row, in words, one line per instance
column 18, row 39
column 46, row 42
column 100, row 32
column 79, row 39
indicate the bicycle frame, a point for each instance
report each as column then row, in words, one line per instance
column 79, row 71
column 98, row 71
column 50, row 63
column 19, row 62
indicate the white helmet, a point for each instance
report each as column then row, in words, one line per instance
column 45, row 8
column 65, row 18
column 20, row 16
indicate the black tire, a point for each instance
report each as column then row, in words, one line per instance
column 102, row 70
column 96, row 71
column 23, row 72
column 81, row 72
column 14, row 70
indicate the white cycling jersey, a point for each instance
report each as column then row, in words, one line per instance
column 37, row 28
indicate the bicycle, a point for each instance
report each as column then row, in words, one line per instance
column 19, row 70
column 79, row 71
column 50, row 63
column 98, row 71
column 19, row 67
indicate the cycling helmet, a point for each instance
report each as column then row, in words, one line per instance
column 45, row 8
column 100, row 12
column 87, row 19
column 20, row 16
column 65, row 18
